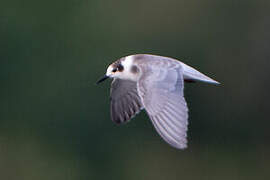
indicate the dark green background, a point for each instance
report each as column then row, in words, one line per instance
column 55, row 121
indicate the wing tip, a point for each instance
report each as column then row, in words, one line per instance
column 212, row 81
column 180, row 145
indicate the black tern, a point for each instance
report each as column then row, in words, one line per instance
column 156, row 84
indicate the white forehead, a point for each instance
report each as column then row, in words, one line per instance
column 109, row 70
column 127, row 62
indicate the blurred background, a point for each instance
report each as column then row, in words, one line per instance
column 55, row 122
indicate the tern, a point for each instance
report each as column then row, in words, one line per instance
column 156, row 84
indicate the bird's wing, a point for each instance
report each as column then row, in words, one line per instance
column 161, row 91
column 125, row 102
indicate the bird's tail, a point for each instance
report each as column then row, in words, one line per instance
column 191, row 74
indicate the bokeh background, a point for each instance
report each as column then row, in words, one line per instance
column 55, row 121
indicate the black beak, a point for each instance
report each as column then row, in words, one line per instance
column 102, row 79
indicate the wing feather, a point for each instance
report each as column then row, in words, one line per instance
column 161, row 92
column 125, row 101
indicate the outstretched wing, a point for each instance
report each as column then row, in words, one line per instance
column 125, row 101
column 161, row 91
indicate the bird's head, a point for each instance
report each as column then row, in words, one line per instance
column 123, row 68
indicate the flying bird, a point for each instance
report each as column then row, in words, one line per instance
column 156, row 84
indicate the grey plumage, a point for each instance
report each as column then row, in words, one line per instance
column 125, row 101
column 164, row 103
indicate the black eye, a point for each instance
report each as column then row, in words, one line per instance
column 114, row 70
